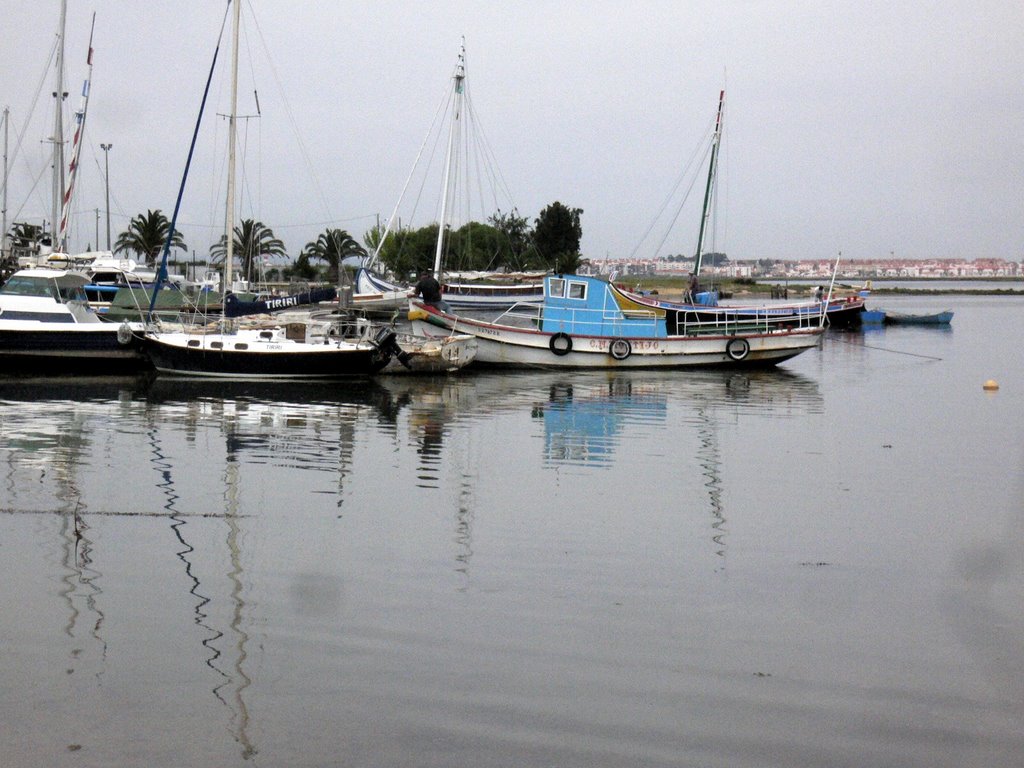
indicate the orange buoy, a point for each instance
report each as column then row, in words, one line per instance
column 990, row 385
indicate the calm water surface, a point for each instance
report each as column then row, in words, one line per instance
column 819, row 565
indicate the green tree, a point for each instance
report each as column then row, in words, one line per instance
column 146, row 235
column 252, row 241
column 372, row 237
column 516, row 231
column 333, row 246
column 476, row 246
column 503, row 242
column 25, row 235
column 409, row 251
column 557, row 233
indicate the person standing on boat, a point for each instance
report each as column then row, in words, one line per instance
column 429, row 290
column 694, row 288
column 819, row 293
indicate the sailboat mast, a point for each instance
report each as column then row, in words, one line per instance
column 161, row 275
column 460, row 76
column 708, row 190
column 58, row 124
column 76, row 148
column 229, row 217
column 3, row 232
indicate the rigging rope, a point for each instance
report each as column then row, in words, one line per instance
column 893, row 351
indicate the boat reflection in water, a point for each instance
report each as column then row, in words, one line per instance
column 585, row 414
column 583, row 424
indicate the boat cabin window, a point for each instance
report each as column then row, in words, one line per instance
column 216, row 345
column 556, row 287
column 577, row 290
column 241, row 345
column 193, row 342
column 73, row 293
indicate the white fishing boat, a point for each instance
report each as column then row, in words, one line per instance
column 582, row 323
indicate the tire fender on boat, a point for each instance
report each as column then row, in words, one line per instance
column 124, row 334
column 560, row 344
column 620, row 348
column 737, row 349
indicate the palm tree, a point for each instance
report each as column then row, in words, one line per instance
column 334, row 246
column 146, row 235
column 252, row 241
column 25, row 235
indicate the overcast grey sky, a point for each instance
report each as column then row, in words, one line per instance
column 868, row 128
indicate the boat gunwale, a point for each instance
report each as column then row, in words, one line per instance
column 709, row 336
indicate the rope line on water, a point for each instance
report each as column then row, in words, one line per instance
column 894, row 351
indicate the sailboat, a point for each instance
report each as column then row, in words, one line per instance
column 496, row 292
column 300, row 351
column 703, row 306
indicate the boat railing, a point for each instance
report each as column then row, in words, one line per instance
column 748, row 320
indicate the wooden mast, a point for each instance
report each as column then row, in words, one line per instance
column 229, row 216
column 3, row 230
column 58, row 128
column 460, row 75
column 709, row 189
column 61, row 242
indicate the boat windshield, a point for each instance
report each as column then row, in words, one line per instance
column 59, row 289
column 29, row 286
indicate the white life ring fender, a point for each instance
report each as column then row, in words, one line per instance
column 620, row 348
column 737, row 349
column 560, row 344
column 124, row 334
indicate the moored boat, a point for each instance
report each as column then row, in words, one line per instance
column 840, row 311
column 278, row 351
column 424, row 355
column 492, row 292
column 703, row 305
column 284, row 352
column 582, row 323
column 47, row 325
column 934, row 318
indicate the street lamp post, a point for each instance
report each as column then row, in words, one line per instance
column 106, row 170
